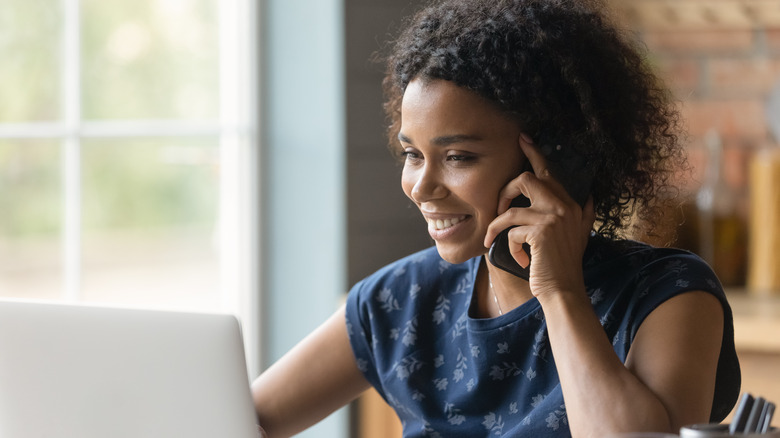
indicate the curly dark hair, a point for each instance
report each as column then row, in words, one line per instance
column 554, row 63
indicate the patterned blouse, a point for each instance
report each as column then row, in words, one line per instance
column 448, row 374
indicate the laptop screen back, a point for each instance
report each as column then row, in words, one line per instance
column 89, row 372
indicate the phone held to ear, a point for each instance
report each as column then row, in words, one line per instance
column 570, row 169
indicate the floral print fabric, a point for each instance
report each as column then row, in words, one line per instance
column 447, row 374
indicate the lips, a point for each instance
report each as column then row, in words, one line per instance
column 444, row 227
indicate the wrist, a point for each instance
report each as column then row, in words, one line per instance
column 563, row 297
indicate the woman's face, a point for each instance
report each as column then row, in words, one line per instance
column 460, row 150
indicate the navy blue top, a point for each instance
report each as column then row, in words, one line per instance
column 448, row 374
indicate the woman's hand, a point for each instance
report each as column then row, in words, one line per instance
column 555, row 226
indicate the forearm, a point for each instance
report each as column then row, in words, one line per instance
column 314, row 379
column 287, row 405
column 602, row 396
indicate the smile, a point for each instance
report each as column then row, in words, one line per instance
column 443, row 224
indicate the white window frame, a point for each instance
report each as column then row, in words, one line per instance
column 236, row 129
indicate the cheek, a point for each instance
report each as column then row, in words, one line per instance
column 484, row 196
column 486, row 202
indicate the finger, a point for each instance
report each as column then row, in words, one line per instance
column 535, row 157
column 517, row 236
column 517, row 186
column 520, row 185
column 548, row 195
column 541, row 168
column 512, row 218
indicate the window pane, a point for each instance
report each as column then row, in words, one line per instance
column 29, row 49
column 150, row 59
column 30, row 202
column 150, row 223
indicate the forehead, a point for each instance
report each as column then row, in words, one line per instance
column 439, row 105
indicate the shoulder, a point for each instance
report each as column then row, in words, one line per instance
column 648, row 269
column 386, row 310
column 672, row 293
column 639, row 278
column 604, row 250
column 409, row 276
column 409, row 288
column 424, row 259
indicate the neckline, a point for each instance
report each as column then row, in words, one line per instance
column 479, row 324
column 530, row 307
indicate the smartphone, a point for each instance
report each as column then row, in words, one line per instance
column 567, row 166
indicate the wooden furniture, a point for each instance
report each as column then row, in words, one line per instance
column 763, row 272
column 757, row 337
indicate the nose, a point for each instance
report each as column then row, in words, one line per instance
column 427, row 184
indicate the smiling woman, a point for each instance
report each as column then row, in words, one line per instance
column 490, row 101
column 459, row 150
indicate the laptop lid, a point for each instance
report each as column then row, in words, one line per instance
column 92, row 372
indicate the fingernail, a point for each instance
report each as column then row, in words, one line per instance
column 526, row 138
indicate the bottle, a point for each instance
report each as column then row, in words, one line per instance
column 721, row 205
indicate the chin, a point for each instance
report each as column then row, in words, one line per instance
column 457, row 256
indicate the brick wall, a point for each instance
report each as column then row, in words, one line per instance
column 721, row 69
column 722, row 78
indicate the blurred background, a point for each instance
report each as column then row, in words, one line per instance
column 230, row 156
column 139, row 196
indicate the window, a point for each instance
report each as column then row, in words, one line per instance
column 128, row 162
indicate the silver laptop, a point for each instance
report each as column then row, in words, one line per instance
column 89, row 372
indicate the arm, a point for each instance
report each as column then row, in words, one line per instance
column 669, row 376
column 315, row 378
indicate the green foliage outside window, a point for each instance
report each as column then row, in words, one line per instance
column 141, row 60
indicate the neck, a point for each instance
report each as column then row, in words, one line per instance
column 511, row 291
column 507, row 292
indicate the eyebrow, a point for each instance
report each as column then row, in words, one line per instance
column 444, row 140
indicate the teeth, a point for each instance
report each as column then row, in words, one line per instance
column 440, row 224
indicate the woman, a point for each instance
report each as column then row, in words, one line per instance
column 490, row 100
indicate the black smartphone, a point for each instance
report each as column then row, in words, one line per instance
column 567, row 166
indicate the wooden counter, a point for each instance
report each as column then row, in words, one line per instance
column 756, row 321
column 757, row 337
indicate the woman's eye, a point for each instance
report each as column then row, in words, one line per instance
column 410, row 155
column 459, row 157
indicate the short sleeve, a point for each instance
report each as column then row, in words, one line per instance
column 677, row 272
column 360, row 335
